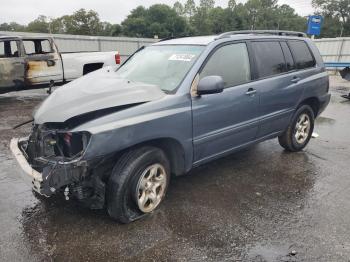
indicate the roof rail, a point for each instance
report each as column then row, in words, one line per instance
column 172, row 37
column 262, row 32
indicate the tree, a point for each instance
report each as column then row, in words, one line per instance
column 158, row 20
column 289, row 20
column 232, row 5
column 190, row 8
column 179, row 8
column 240, row 14
column 220, row 20
column 207, row 4
column 335, row 10
column 82, row 22
column 188, row 19
column 57, row 26
column 39, row 25
column 12, row 27
column 116, row 30
column 253, row 7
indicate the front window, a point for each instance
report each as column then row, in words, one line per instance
column 8, row 49
column 163, row 66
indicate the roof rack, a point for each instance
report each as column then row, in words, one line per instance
column 262, row 32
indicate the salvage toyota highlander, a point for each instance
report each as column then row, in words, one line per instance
column 114, row 137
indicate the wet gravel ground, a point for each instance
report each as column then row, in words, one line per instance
column 260, row 204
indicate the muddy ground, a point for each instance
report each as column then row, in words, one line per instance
column 260, row 204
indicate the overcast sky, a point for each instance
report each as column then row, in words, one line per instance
column 114, row 11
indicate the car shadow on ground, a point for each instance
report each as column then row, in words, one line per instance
column 224, row 205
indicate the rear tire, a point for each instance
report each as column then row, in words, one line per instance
column 138, row 183
column 299, row 131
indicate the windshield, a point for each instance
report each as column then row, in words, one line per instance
column 163, row 66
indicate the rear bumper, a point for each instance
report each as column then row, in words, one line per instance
column 29, row 175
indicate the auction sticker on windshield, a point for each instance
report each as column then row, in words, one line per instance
column 181, row 57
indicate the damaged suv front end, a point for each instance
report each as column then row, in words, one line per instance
column 83, row 131
column 54, row 157
column 54, row 160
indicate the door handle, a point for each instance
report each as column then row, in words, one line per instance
column 250, row 92
column 51, row 62
column 295, row 79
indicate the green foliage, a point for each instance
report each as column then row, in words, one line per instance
column 187, row 18
column 82, row 22
column 158, row 20
column 190, row 8
column 337, row 16
column 39, row 25
column 178, row 8
column 12, row 27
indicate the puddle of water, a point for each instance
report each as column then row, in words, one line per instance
column 278, row 252
column 325, row 120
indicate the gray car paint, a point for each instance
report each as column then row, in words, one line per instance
column 98, row 90
column 205, row 127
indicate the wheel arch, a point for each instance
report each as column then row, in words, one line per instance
column 90, row 67
column 172, row 148
column 313, row 102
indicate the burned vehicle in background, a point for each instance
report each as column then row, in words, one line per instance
column 115, row 137
column 34, row 62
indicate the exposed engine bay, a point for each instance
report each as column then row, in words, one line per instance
column 56, row 154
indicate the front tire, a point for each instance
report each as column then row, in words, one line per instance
column 299, row 131
column 138, row 183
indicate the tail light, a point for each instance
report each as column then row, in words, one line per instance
column 117, row 59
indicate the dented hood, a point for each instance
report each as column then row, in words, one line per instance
column 98, row 90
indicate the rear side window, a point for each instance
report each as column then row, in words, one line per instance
column 29, row 46
column 269, row 58
column 231, row 62
column 288, row 56
column 302, row 55
column 37, row 46
column 46, row 46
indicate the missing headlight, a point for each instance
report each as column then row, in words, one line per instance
column 52, row 144
column 70, row 144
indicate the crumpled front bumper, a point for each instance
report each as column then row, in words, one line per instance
column 54, row 175
column 29, row 175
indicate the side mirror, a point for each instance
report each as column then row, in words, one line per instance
column 210, row 85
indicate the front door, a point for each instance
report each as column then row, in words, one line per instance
column 43, row 62
column 228, row 120
column 11, row 66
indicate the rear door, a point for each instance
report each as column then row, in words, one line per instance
column 11, row 65
column 224, row 121
column 277, row 85
column 43, row 62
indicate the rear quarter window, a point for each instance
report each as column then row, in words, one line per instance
column 302, row 54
